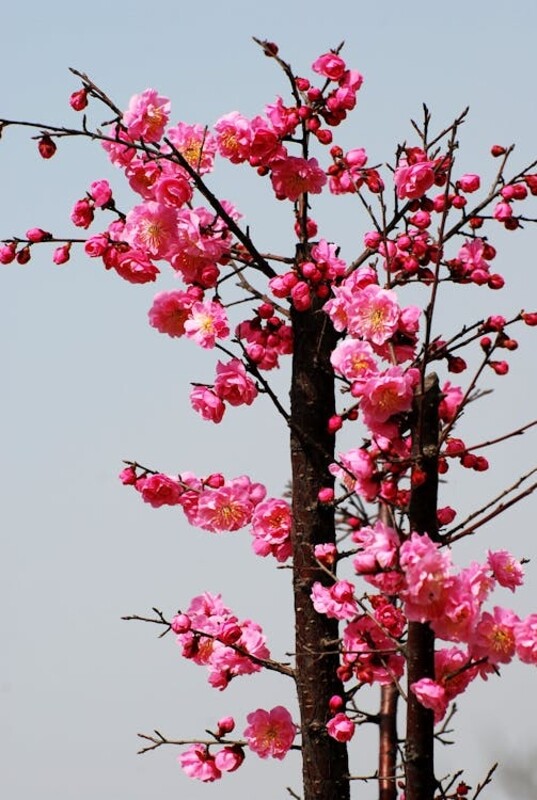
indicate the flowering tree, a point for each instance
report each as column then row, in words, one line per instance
column 378, row 599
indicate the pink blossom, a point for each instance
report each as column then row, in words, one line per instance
column 378, row 545
column 82, row 213
column 502, row 211
column 207, row 403
column 233, row 385
column 159, row 490
column 526, row 639
column 356, row 470
column 101, row 193
column 412, row 181
column 431, row 695
column 173, row 190
column 450, row 403
column 283, row 119
column 225, row 509
column 336, row 601
column 135, row 267
column 270, row 733
column 325, row 553
column 506, row 569
column 170, row 310
column 7, row 252
column 197, row 762
column 195, row 145
column 494, row 636
column 293, row 176
column 229, row 758
column 426, row 571
column 62, row 254
column 147, row 116
column 469, row 182
column 385, row 395
column 370, row 653
column 97, row 245
column 330, row 66
column 234, row 136
column 207, row 323
column 340, row 728
column 373, row 314
column 271, row 529
column 355, row 361
column 152, row 227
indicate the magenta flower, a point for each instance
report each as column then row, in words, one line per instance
column 340, row 728
column 197, row 762
column 147, row 116
column 270, row 733
column 293, row 176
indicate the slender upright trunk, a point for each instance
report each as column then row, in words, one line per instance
column 389, row 696
column 420, row 780
column 325, row 761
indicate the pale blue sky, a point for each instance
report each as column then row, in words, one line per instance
column 88, row 383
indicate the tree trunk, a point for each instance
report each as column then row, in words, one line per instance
column 420, row 779
column 325, row 761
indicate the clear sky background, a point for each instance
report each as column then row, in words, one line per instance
column 88, row 383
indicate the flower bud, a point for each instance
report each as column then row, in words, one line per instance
column 46, row 147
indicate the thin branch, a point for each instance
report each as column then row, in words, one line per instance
column 498, row 510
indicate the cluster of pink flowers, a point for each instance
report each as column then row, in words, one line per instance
column 269, row 734
column 212, row 636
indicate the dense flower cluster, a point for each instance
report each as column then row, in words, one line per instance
column 381, row 356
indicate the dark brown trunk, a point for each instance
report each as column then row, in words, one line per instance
column 420, row 779
column 325, row 761
column 389, row 696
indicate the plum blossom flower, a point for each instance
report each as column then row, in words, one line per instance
column 379, row 546
column 271, row 529
column 229, row 758
column 152, row 227
column 385, row 395
column 412, row 181
column 426, row 571
column 170, row 310
column 207, row 323
column 293, row 176
column 431, row 695
column 159, row 490
column 494, row 636
column 330, row 66
column 195, row 145
column 135, row 267
column 234, row 137
column 506, row 569
column 147, row 116
column 270, row 733
column 227, row 508
column 340, row 727
column 233, row 385
column 370, row 653
column 197, row 762
column 336, row 601
column 526, row 639
column 354, row 360
column 101, row 193
column 374, row 314
column 207, row 403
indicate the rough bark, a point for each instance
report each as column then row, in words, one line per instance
column 325, row 761
column 420, row 779
column 389, row 696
